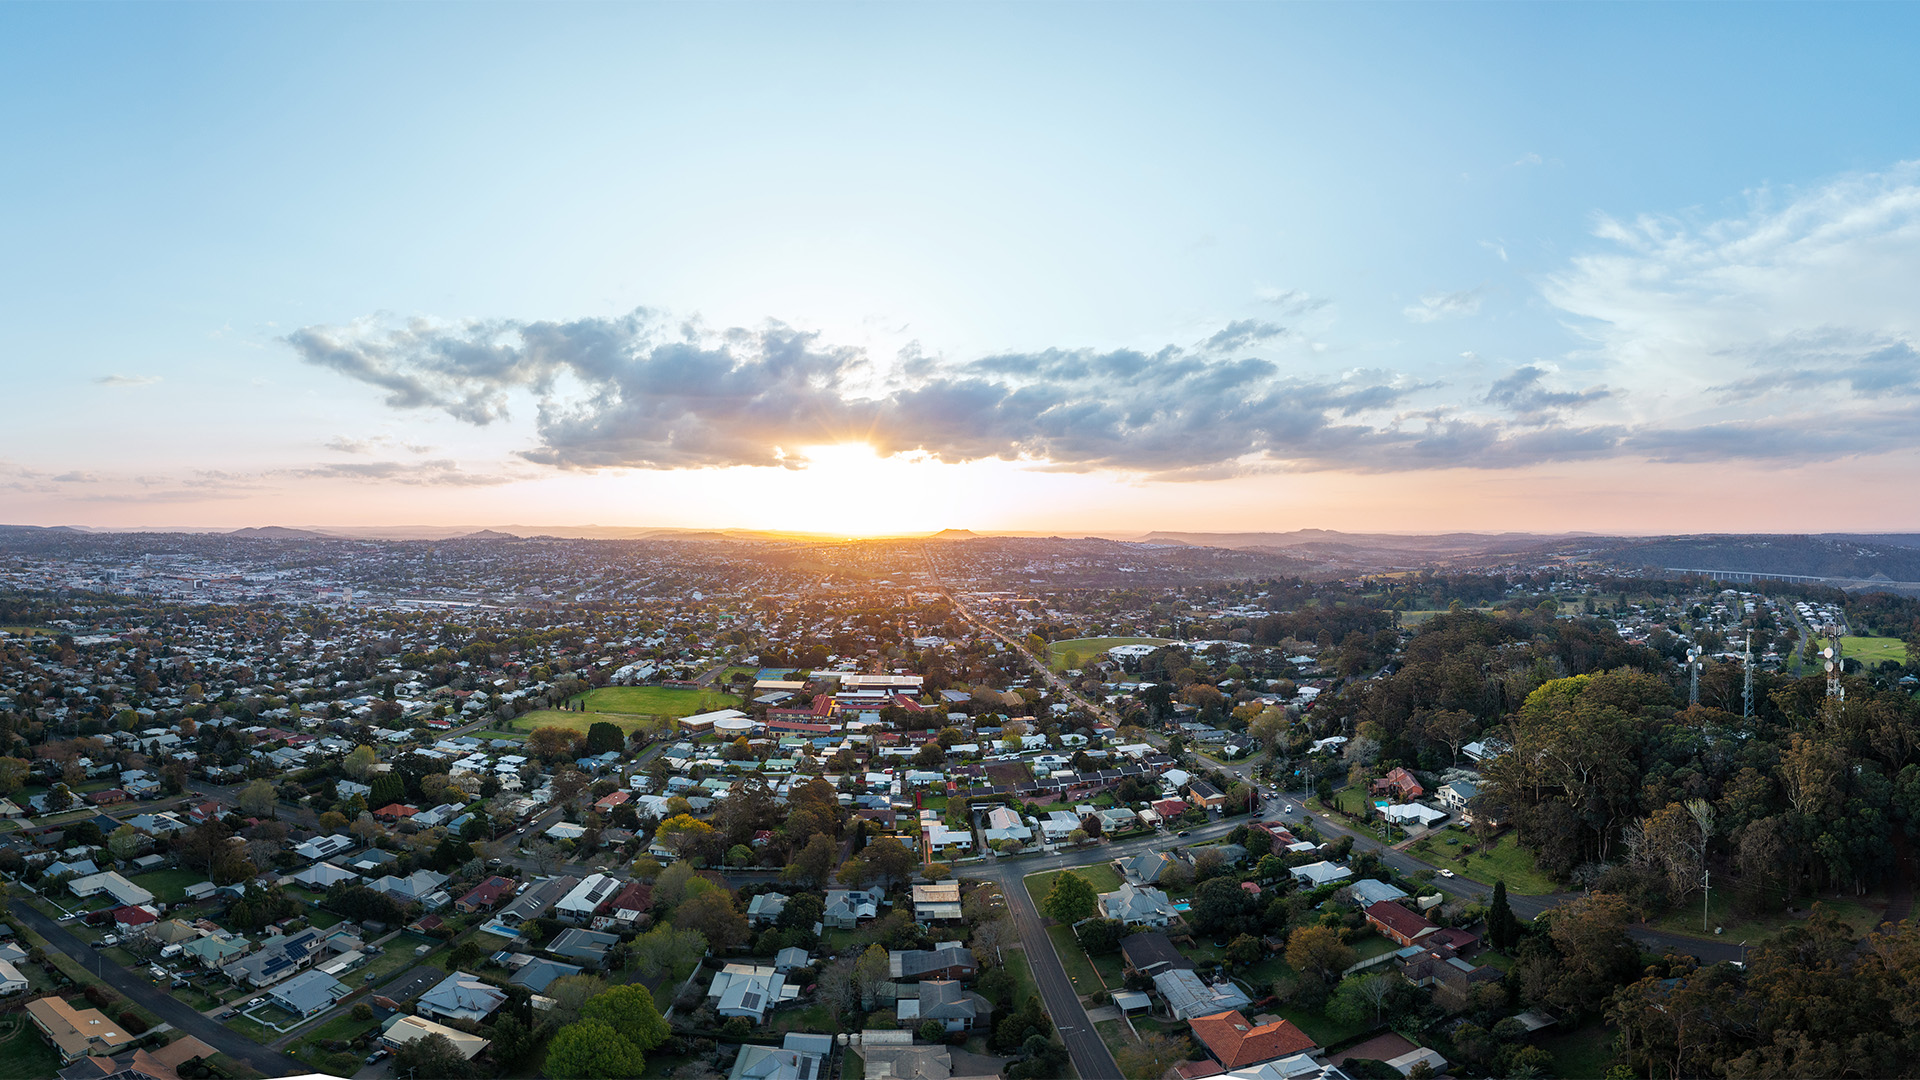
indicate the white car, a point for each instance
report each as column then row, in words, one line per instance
column 1446, row 873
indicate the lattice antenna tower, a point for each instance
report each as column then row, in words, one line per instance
column 1694, row 654
column 1835, row 664
column 1746, row 689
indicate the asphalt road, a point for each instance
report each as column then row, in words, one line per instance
column 141, row 990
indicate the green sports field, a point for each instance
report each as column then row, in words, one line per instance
column 1090, row 648
column 1870, row 650
column 630, row 707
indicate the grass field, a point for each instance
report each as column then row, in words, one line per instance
column 630, row 707
column 24, row 1055
column 1685, row 918
column 1869, row 650
column 1022, row 971
column 1099, row 875
column 1507, row 861
column 168, row 886
column 1079, row 969
column 1088, row 648
column 1584, row 1053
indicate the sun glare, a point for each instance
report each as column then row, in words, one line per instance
column 846, row 489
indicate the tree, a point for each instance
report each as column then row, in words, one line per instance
column 630, row 1010
column 933, row 1031
column 1151, row 1055
column 570, row 994
column 434, row 1056
column 869, row 972
column 1096, row 936
column 1071, row 899
column 665, row 948
column 854, row 872
column 814, row 863
column 889, row 859
column 1503, row 929
column 257, row 798
column 13, row 773
column 126, row 842
column 553, row 742
column 359, row 763
column 333, row 821
column 1318, row 951
column 646, row 868
column 684, row 833
column 712, row 915
column 593, row 1050
column 670, row 887
column 1222, row 907
column 603, row 737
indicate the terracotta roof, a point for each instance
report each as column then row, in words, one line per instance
column 1399, row 919
column 1237, row 1042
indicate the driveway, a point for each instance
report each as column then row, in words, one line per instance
column 142, row 991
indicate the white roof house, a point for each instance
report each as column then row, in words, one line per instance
column 1314, row 875
column 125, row 892
column 461, row 996
column 749, row 991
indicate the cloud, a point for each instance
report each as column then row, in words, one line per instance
column 127, row 380
column 76, row 477
column 1781, row 333
column 1526, row 159
column 1290, row 301
column 1436, row 306
column 1522, row 393
column 436, row 473
column 347, row 445
column 638, row 392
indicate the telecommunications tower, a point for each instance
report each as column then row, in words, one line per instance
column 1746, row 690
column 1835, row 664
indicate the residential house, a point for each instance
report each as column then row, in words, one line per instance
column 1412, row 815
column 954, row 1006
column 538, row 973
column 933, row 903
column 1366, row 892
column 1138, row 905
column 949, row 960
column 484, row 896
column 321, row 875
column 401, row 1029
column 308, row 993
column 627, row 907
column 800, row 1056
column 461, row 996
column 1236, row 1042
column 278, row 957
column 1398, row 923
column 395, row 812
column 847, row 907
column 1456, row 795
column 790, row 959
column 366, row 862
column 537, row 899
column 324, row 847
column 1117, row 819
column 580, row 904
column 1169, row 809
column 212, row 951
column 1151, row 953
column 11, row 980
column 749, row 991
column 1314, row 875
column 1144, row 868
column 1188, row 995
column 124, row 892
column 423, row 887
column 765, row 908
column 1206, row 796
column 1399, row 783
column 76, row 1033
column 586, row 946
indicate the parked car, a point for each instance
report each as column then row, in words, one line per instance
column 110, row 940
column 378, row 1055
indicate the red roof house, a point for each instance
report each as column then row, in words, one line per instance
column 1237, row 1042
column 1398, row 923
column 395, row 812
column 483, row 896
column 133, row 916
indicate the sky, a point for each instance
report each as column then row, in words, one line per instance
column 873, row 269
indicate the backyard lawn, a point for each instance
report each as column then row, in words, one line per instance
column 1583, row 1053
column 168, row 886
column 24, row 1055
column 1506, row 861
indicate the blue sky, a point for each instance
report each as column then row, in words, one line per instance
column 1480, row 259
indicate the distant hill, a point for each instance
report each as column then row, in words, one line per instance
column 487, row 534
column 1850, row 557
column 278, row 532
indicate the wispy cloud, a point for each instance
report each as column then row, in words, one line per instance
column 127, row 380
column 1436, row 306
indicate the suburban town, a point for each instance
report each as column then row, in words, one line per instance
column 492, row 807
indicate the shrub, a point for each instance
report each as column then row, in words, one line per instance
column 362, row 1011
column 132, row 1022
